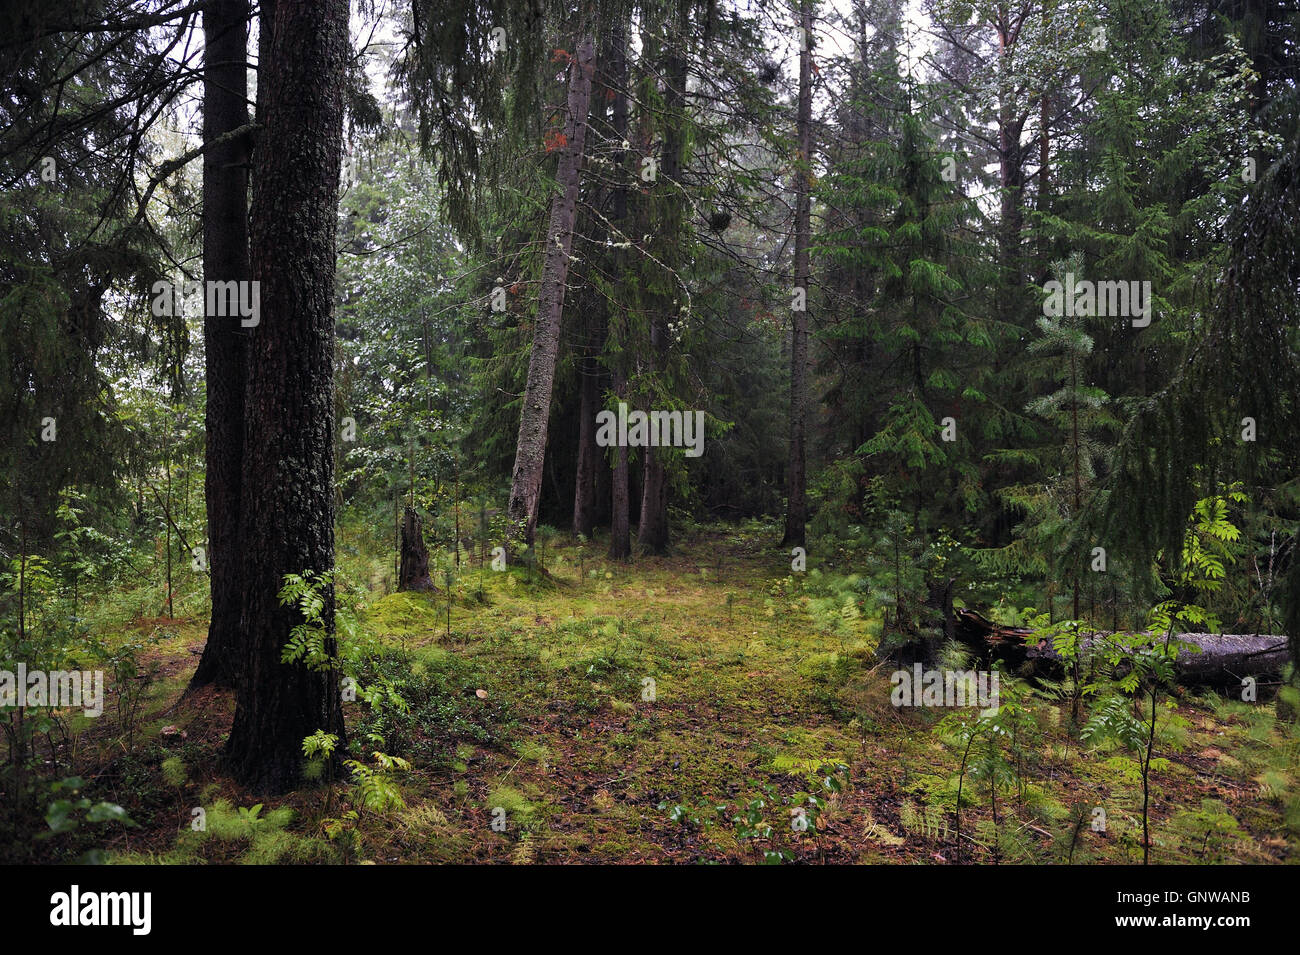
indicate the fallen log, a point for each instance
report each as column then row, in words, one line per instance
column 1223, row 661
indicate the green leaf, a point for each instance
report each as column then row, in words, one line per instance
column 109, row 812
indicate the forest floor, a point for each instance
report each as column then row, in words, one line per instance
column 534, row 735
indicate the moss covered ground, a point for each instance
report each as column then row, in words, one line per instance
column 702, row 707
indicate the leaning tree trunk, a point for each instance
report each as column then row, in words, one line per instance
column 225, row 259
column 413, row 573
column 796, row 516
column 530, row 448
column 287, row 518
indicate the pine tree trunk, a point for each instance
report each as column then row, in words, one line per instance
column 1041, row 266
column 1010, row 175
column 287, row 518
column 590, row 472
column 584, row 491
column 530, row 448
column 652, row 531
column 620, row 524
column 652, row 534
column 225, row 259
column 796, row 517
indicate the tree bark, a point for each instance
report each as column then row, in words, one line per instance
column 584, row 491
column 590, row 472
column 1011, row 172
column 413, row 573
column 1223, row 660
column 530, row 448
column 652, row 533
column 796, row 476
column 225, row 259
column 620, row 524
column 287, row 517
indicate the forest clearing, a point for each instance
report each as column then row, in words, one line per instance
column 532, row 703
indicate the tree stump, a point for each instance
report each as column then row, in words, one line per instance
column 414, row 569
column 936, row 627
